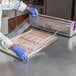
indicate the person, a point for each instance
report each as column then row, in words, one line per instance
column 6, row 43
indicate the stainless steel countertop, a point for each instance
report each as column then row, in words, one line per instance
column 58, row 59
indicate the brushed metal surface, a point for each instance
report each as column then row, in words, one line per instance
column 75, row 12
column 59, row 8
column 58, row 59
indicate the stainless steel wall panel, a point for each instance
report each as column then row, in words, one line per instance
column 59, row 8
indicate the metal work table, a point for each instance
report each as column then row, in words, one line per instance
column 58, row 59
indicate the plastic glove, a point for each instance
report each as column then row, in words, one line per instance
column 74, row 25
column 33, row 11
column 21, row 53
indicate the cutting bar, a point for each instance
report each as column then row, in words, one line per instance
column 55, row 25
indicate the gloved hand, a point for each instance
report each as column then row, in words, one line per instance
column 33, row 11
column 21, row 53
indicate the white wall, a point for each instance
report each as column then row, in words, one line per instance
column 11, row 13
column 4, row 26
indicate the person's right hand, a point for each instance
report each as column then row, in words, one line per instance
column 21, row 53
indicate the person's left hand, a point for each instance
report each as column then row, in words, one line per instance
column 33, row 11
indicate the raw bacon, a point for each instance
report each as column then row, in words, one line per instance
column 33, row 40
